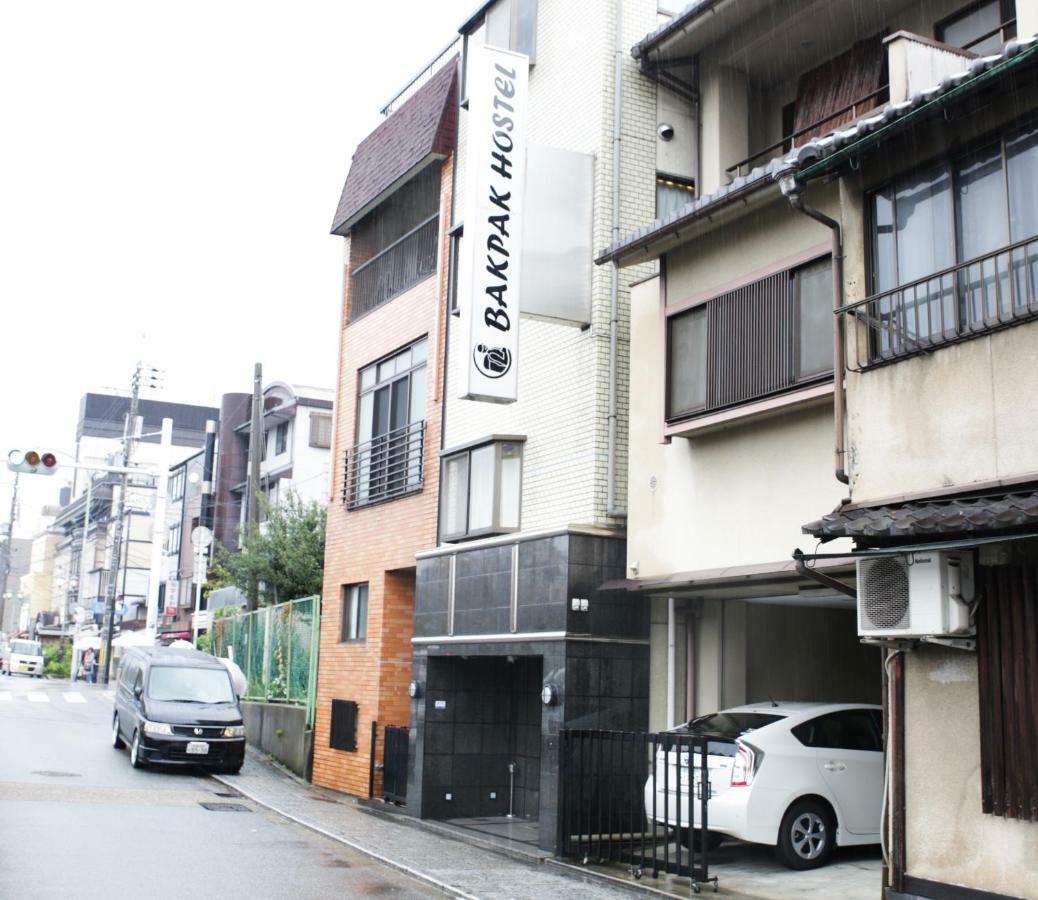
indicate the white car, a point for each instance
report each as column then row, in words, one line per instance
column 22, row 656
column 801, row 777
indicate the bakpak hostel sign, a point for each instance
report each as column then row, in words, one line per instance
column 496, row 180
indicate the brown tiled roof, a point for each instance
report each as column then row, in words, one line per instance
column 973, row 515
column 425, row 126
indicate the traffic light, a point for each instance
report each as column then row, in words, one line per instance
column 32, row 462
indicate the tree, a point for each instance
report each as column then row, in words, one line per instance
column 284, row 555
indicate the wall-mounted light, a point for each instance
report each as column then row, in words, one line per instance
column 665, row 130
column 414, row 689
column 549, row 694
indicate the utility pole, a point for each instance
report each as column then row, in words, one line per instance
column 255, row 454
column 7, row 552
column 129, row 433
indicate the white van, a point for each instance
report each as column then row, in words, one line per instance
column 22, row 656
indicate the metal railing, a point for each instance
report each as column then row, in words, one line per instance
column 855, row 107
column 1005, row 32
column 955, row 304
column 385, row 467
column 276, row 648
column 415, row 84
column 638, row 799
column 401, row 265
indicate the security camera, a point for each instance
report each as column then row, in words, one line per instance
column 665, row 130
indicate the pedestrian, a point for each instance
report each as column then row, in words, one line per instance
column 88, row 664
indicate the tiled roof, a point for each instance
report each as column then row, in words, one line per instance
column 1013, row 53
column 425, row 126
column 953, row 516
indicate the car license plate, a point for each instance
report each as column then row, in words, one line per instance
column 197, row 748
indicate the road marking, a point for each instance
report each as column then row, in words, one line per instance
column 38, row 698
column 74, row 697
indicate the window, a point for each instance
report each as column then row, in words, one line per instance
column 395, row 246
column 672, row 194
column 387, row 461
column 320, row 430
column 343, row 732
column 175, row 488
column 953, row 248
column 851, row 729
column 456, row 234
column 281, row 438
column 354, row 612
column 981, row 27
column 761, row 339
column 173, row 539
column 512, row 25
column 480, row 490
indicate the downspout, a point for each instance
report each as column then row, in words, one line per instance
column 671, row 663
column 792, row 191
column 614, row 272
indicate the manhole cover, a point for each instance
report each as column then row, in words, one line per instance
column 47, row 773
column 225, row 807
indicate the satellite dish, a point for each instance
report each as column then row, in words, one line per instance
column 201, row 537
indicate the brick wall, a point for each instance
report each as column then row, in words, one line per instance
column 377, row 544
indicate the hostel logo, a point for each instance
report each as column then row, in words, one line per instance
column 493, row 362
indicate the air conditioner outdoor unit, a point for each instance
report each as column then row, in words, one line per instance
column 915, row 596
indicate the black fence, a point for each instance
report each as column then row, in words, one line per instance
column 637, row 799
column 395, row 269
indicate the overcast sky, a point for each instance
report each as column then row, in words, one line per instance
column 168, row 174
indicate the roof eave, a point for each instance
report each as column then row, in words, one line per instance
column 342, row 229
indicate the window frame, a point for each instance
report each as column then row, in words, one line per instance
column 790, row 268
column 1007, row 21
column 688, row 185
column 946, row 162
column 348, row 598
column 495, row 527
column 320, row 421
column 281, row 438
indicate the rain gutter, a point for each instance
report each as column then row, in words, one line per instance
column 614, row 277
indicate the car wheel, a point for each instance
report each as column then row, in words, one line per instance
column 135, row 752
column 713, row 839
column 117, row 740
column 806, row 835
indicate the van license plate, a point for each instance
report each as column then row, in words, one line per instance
column 197, row 748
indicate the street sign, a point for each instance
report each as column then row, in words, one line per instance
column 201, row 537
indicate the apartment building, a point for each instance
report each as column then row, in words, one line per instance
column 184, row 513
column 881, row 165
column 476, row 516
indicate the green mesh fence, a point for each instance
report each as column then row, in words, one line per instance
column 276, row 648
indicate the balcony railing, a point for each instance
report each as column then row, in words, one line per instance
column 856, row 108
column 963, row 301
column 385, row 467
column 401, row 265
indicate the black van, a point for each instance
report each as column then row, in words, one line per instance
column 177, row 706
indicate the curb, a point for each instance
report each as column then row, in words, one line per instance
column 378, row 857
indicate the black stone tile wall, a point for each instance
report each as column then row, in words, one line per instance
column 432, row 592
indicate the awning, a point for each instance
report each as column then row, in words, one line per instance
column 977, row 515
column 422, row 130
column 761, row 578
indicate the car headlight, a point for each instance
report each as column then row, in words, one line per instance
column 157, row 728
column 234, row 731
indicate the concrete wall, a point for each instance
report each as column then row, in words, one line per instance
column 563, row 370
column 280, row 730
column 948, row 838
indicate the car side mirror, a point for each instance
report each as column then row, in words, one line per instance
column 138, row 689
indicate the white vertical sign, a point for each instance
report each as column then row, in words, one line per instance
column 495, row 183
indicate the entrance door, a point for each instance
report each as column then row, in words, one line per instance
column 394, row 764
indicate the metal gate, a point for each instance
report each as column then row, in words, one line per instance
column 638, row 799
column 395, row 750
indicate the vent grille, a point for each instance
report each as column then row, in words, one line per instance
column 883, row 595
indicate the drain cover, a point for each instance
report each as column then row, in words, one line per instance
column 51, row 774
column 225, row 807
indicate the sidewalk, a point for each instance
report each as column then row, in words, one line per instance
column 455, row 867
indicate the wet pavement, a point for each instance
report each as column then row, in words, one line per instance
column 78, row 821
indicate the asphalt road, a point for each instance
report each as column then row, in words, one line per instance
column 77, row 821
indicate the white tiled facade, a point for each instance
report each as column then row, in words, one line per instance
column 563, row 386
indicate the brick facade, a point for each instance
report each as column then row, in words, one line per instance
column 377, row 544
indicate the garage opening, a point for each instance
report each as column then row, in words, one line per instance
column 483, row 744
